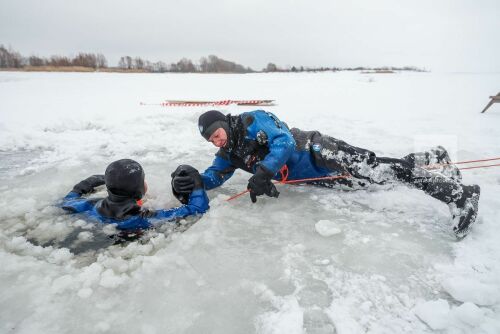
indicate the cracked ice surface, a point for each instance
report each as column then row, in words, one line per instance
column 392, row 265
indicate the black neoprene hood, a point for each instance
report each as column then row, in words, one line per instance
column 210, row 121
column 125, row 178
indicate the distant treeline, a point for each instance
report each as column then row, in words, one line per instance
column 12, row 59
column 383, row 69
column 210, row 64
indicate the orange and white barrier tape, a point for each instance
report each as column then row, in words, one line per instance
column 188, row 103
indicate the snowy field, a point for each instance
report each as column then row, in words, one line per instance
column 382, row 260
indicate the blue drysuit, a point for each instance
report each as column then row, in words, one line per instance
column 75, row 203
column 260, row 138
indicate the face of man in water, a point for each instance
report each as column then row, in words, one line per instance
column 219, row 137
column 141, row 201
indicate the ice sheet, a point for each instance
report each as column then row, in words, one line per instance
column 245, row 267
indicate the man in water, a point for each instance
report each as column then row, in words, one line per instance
column 124, row 180
column 259, row 143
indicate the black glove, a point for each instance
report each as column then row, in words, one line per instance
column 261, row 184
column 87, row 186
column 183, row 183
column 185, row 179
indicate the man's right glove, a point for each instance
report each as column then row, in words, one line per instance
column 185, row 179
column 87, row 186
column 260, row 184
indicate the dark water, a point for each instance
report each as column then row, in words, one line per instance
column 100, row 240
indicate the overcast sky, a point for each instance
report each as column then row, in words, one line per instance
column 440, row 35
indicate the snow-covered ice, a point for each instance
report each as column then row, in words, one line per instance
column 394, row 266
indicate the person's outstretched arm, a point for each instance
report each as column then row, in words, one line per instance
column 187, row 187
column 220, row 171
column 197, row 205
column 74, row 202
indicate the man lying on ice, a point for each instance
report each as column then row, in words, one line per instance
column 259, row 143
column 124, row 180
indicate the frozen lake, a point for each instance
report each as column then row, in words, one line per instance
column 395, row 265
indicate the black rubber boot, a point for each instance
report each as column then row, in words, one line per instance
column 464, row 211
column 462, row 200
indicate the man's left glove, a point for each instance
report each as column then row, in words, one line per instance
column 260, row 184
column 89, row 184
column 185, row 179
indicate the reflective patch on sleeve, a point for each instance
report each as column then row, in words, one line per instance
column 262, row 137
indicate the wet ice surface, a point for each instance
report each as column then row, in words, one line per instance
column 382, row 260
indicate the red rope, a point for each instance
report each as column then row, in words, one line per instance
column 471, row 161
column 485, row 166
column 284, row 174
column 237, row 195
column 331, row 178
column 435, row 166
column 343, row 176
